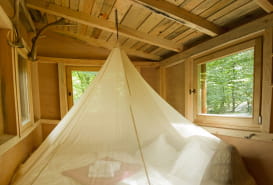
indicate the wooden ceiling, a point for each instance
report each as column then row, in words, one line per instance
column 149, row 29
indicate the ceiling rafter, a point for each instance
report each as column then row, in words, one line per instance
column 267, row 5
column 92, row 21
column 106, row 45
column 181, row 15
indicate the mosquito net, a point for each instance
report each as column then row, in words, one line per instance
column 122, row 133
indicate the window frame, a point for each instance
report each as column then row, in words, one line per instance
column 69, row 85
column 23, row 127
column 243, row 123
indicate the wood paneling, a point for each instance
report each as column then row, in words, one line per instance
column 11, row 160
column 49, row 91
column 257, row 156
column 47, row 128
column 175, row 87
column 152, row 76
column 7, row 85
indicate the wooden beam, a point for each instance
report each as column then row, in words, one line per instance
column 181, row 15
column 88, row 62
column 267, row 5
column 253, row 28
column 92, row 21
column 107, row 45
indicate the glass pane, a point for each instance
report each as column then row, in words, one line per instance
column 80, row 81
column 226, row 85
column 23, row 87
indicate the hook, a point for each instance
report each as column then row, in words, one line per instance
column 250, row 136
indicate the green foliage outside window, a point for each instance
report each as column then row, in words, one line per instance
column 80, row 81
column 229, row 84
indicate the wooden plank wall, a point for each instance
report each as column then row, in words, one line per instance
column 6, row 72
column 16, row 155
column 175, row 86
column 49, row 91
column 257, row 156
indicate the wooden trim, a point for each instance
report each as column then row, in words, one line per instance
column 49, row 121
column 16, row 139
column 88, row 62
column 266, row 5
column 35, row 91
column 180, row 15
column 188, row 86
column 22, row 128
column 107, row 45
column 224, row 121
column 240, row 123
column 225, row 52
column 62, row 89
column 92, row 21
column 245, row 31
column 240, row 134
column 267, row 81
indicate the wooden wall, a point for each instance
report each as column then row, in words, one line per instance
column 49, row 91
column 152, row 76
column 257, row 155
column 7, row 86
column 11, row 160
column 175, row 86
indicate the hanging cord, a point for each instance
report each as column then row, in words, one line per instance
column 116, row 20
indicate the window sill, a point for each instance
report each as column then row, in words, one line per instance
column 253, row 135
column 12, row 141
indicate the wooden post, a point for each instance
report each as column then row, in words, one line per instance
column 62, row 89
column 188, row 85
column 267, row 81
column 203, row 87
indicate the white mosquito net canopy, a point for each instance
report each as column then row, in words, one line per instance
column 121, row 132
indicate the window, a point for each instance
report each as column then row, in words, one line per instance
column 24, row 92
column 78, row 79
column 227, row 85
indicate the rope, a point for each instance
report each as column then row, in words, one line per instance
column 116, row 21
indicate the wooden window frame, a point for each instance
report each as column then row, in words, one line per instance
column 69, row 70
column 23, row 127
column 242, row 123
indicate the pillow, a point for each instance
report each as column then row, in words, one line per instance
column 193, row 160
column 159, row 153
column 81, row 174
column 103, row 168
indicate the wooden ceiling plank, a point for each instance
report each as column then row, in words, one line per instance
column 237, row 13
column 231, row 7
column 266, row 5
column 135, row 17
column 189, row 5
column 252, row 28
column 176, row 2
column 85, row 6
column 204, row 6
column 106, row 45
column 83, row 18
column 123, row 6
column 215, row 8
column 96, row 10
column 182, row 16
column 193, row 35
